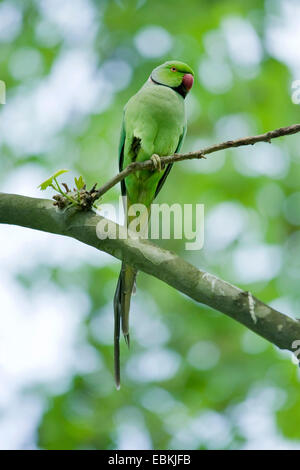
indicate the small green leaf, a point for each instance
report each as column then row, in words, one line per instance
column 45, row 184
column 59, row 172
column 79, row 182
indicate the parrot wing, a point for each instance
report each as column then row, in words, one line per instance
column 121, row 154
column 168, row 169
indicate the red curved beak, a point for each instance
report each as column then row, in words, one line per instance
column 188, row 81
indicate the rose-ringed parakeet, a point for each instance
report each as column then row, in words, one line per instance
column 154, row 124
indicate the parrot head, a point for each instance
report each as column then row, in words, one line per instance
column 174, row 74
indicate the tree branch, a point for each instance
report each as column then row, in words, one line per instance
column 40, row 214
column 149, row 164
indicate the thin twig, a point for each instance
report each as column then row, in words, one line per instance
column 149, row 165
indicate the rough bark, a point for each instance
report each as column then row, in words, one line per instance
column 40, row 214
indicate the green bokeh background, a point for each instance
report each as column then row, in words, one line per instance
column 193, row 379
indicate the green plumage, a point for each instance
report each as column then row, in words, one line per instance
column 154, row 122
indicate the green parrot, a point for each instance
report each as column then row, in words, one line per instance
column 154, row 125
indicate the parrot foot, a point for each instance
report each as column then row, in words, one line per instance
column 156, row 162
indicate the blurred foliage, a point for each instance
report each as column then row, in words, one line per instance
column 193, row 377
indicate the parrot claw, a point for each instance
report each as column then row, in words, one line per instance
column 156, row 162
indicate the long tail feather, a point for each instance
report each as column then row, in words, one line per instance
column 117, row 315
column 128, row 279
column 122, row 298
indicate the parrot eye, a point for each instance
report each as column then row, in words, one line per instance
column 173, row 69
